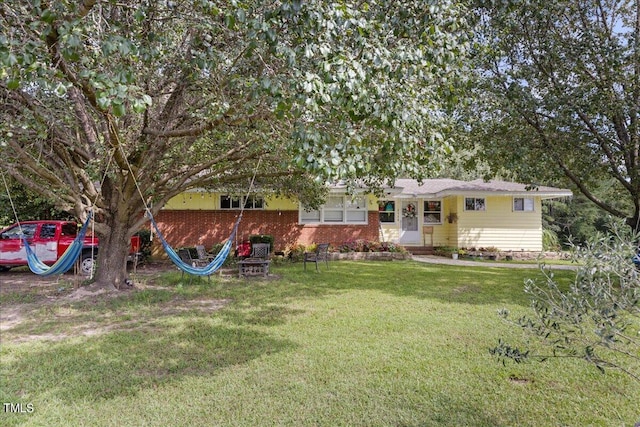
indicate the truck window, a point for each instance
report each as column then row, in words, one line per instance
column 14, row 232
column 48, row 231
column 69, row 229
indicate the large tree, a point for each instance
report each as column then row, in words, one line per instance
column 559, row 95
column 119, row 106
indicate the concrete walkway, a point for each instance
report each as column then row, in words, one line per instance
column 432, row 259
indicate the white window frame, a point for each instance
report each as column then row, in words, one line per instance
column 530, row 208
column 484, row 204
column 385, row 213
column 426, row 212
column 250, row 203
column 337, row 210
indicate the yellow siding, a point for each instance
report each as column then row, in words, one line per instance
column 500, row 226
column 211, row 201
column 390, row 233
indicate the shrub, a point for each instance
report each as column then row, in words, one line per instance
column 295, row 252
column 262, row 238
column 362, row 245
column 215, row 249
column 595, row 318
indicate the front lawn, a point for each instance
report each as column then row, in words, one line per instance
column 361, row 344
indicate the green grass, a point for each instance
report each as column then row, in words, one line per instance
column 360, row 344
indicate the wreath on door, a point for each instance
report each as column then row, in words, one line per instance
column 409, row 211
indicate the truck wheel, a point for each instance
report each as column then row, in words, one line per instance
column 87, row 264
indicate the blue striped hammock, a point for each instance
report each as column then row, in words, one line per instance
column 65, row 262
column 207, row 270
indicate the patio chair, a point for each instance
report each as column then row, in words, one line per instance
column 258, row 261
column 203, row 255
column 185, row 256
column 320, row 254
column 260, row 250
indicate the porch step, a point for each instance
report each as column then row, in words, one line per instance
column 420, row 250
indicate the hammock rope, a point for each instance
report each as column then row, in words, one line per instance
column 70, row 255
column 207, row 270
column 66, row 260
column 219, row 259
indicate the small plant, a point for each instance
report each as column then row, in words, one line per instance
column 445, row 250
column 595, row 318
column 295, row 252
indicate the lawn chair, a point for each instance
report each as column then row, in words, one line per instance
column 185, row 256
column 203, row 255
column 320, row 254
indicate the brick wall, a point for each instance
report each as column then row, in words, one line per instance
column 190, row 227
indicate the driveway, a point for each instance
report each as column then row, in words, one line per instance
column 432, row 259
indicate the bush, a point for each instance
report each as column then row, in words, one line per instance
column 362, row 245
column 262, row 238
column 595, row 318
column 215, row 249
column 550, row 240
column 295, row 252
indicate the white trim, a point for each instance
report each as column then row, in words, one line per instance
column 424, row 211
column 524, row 204
column 343, row 209
column 464, row 204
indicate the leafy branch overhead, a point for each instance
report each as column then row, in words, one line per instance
column 106, row 100
column 562, row 80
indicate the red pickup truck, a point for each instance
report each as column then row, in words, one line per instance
column 49, row 239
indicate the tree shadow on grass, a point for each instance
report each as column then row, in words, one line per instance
column 123, row 363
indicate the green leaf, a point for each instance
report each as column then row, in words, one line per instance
column 119, row 110
column 13, row 84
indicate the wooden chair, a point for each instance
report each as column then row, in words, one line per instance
column 320, row 254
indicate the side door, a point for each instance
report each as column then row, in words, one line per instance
column 12, row 250
column 46, row 245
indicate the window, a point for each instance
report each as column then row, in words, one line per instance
column 337, row 210
column 16, row 232
column 387, row 210
column 48, row 231
column 432, row 212
column 474, row 204
column 233, row 202
column 69, row 229
column 523, row 204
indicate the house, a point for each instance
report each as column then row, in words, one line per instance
column 436, row 212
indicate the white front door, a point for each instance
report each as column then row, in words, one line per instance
column 409, row 232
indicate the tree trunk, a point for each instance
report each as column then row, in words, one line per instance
column 634, row 221
column 112, row 257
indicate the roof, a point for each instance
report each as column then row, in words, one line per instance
column 436, row 188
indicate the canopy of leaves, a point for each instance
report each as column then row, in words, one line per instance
column 185, row 94
column 558, row 94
